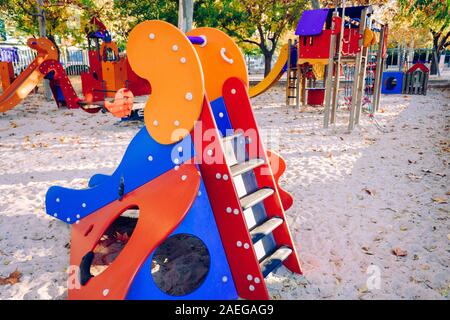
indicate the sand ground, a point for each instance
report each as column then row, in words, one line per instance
column 357, row 196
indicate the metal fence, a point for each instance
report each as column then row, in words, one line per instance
column 74, row 60
column 400, row 57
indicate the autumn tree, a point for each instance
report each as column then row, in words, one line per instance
column 260, row 23
column 433, row 15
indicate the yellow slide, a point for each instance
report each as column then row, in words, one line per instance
column 273, row 76
column 31, row 76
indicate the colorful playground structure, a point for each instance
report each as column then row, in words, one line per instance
column 337, row 60
column 413, row 81
column 109, row 76
column 108, row 71
column 197, row 168
column 46, row 65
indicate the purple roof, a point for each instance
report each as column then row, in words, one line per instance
column 311, row 22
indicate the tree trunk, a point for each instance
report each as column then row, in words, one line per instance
column 185, row 14
column 43, row 34
column 315, row 4
column 268, row 54
column 435, row 58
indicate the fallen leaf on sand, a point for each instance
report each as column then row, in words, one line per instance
column 399, row 252
column 448, row 236
column 366, row 250
column 403, row 228
column 363, row 289
column 439, row 200
column 13, row 278
column 369, row 192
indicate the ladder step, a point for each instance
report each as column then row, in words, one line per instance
column 275, row 260
column 256, row 197
column 232, row 136
column 265, row 228
column 241, row 168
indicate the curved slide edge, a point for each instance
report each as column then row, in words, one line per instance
column 30, row 77
column 273, row 76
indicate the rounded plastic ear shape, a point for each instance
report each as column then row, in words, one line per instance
column 221, row 59
column 160, row 53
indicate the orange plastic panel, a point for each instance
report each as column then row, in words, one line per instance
column 163, row 203
column 6, row 74
column 368, row 38
column 123, row 103
column 221, row 59
column 163, row 55
column 114, row 74
column 278, row 166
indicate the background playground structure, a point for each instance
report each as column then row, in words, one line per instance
column 339, row 50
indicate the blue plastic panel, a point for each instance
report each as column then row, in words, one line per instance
column 144, row 160
column 392, row 82
column 218, row 283
column 221, row 117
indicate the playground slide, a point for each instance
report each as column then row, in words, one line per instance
column 274, row 75
column 29, row 78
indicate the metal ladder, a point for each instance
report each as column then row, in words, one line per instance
column 244, row 194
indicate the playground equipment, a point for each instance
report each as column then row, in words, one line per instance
column 108, row 71
column 197, row 168
column 413, row 81
column 392, row 82
column 47, row 66
column 416, row 79
column 332, row 43
column 7, row 57
column 340, row 41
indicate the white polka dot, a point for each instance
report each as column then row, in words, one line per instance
column 229, row 210
column 176, row 123
column 155, row 123
column 249, row 277
column 57, row 200
column 83, row 205
column 225, row 177
column 183, row 60
column 246, row 246
column 184, row 177
column 209, row 152
column 239, row 244
column 257, row 280
column 68, row 219
column 55, row 215
column 180, row 149
column 77, row 222
column 224, row 279
column 188, row 96
column 233, row 91
column 105, row 292
column 176, row 168
column 175, row 48
column 176, row 161
column 220, row 114
column 251, row 288
column 218, row 175
column 151, row 36
column 78, row 216
column 236, row 211
column 199, row 193
column 150, row 158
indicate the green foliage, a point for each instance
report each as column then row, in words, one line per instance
column 64, row 18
